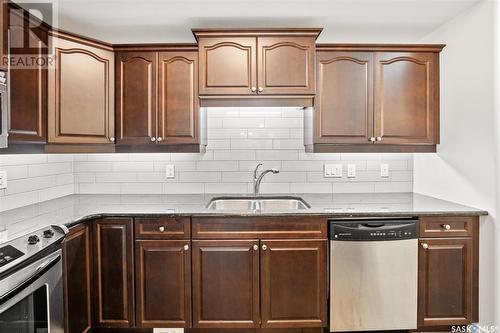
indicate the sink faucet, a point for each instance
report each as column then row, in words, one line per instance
column 258, row 179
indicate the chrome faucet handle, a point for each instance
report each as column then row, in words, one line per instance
column 257, row 170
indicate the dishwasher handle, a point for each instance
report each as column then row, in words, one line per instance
column 373, row 230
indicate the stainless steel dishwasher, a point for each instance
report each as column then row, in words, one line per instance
column 373, row 274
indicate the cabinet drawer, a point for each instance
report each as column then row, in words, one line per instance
column 449, row 226
column 259, row 227
column 163, row 228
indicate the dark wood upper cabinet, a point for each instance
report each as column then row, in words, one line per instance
column 343, row 109
column 228, row 66
column 375, row 98
column 113, row 273
column 135, row 97
column 286, row 65
column 406, row 97
column 77, row 280
column 28, row 81
column 81, row 94
column 178, row 107
column 445, row 278
column 257, row 62
column 226, row 284
column 3, row 34
column 163, row 283
column 293, row 283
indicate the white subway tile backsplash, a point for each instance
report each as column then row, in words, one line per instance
column 238, row 139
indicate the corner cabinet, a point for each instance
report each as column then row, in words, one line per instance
column 375, row 99
column 157, row 100
column 249, row 63
column 81, row 93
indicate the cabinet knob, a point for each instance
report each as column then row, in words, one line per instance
column 379, row 138
column 446, row 226
column 153, row 139
column 264, row 247
column 425, row 246
column 162, row 229
column 372, row 139
column 186, row 247
column 112, row 139
column 255, row 247
column 160, row 139
column 261, row 89
column 254, row 89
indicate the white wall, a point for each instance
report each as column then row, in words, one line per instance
column 464, row 169
column 238, row 139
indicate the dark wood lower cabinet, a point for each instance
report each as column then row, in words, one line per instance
column 163, row 283
column 113, row 273
column 445, row 282
column 226, row 284
column 293, row 283
column 77, row 273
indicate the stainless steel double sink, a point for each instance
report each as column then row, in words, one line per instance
column 261, row 203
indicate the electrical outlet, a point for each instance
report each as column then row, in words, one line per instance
column 170, row 171
column 384, row 170
column 168, row 330
column 351, row 170
column 333, row 171
column 3, row 180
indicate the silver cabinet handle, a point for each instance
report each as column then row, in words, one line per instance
column 255, row 247
column 112, row 139
column 372, row 139
column 446, row 226
column 254, row 89
column 425, row 246
column 264, row 247
column 379, row 138
column 186, row 247
column 162, row 229
column 261, row 89
column 160, row 139
column 153, row 139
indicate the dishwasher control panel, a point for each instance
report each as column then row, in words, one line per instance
column 373, row 230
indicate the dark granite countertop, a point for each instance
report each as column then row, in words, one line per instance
column 72, row 209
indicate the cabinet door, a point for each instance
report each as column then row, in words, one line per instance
column 406, row 98
column 135, row 97
column 228, row 66
column 293, row 283
column 3, row 35
column 226, row 284
column 178, row 110
column 28, row 81
column 113, row 273
column 286, row 65
column 163, row 283
column 445, row 282
column 344, row 104
column 81, row 94
column 77, row 280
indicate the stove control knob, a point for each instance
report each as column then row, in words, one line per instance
column 49, row 233
column 33, row 239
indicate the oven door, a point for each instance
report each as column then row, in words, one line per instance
column 31, row 299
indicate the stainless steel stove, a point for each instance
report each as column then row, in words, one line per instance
column 31, row 287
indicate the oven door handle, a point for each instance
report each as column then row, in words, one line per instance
column 38, row 272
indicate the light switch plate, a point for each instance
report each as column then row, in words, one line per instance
column 384, row 170
column 170, row 171
column 351, row 170
column 333, row 171
column 168, row 330
column 3, row 180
